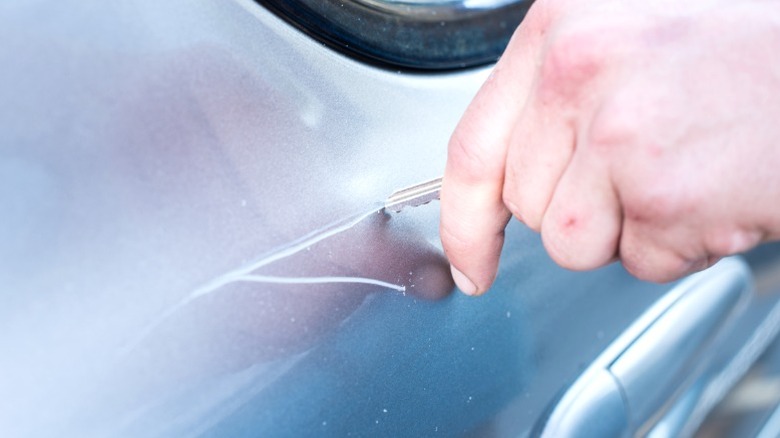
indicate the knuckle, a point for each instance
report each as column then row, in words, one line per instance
column 721, row 243
column 578, row 241
column 657, row 204
column 561, row 247
column 636, row 269
column 655, row 264
column 631, row 260
column 572, row 58
column 640, row 268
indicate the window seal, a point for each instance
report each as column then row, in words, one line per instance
column 407, row 36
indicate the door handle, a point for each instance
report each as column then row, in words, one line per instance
column 630, row 384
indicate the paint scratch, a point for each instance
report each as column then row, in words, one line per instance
column 320, row 280
column 244, row 273
column 284, row 251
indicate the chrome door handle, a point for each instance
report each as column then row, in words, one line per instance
column 652, row 369
column 651, row 362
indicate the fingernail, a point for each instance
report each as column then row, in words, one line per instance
column 464, row 284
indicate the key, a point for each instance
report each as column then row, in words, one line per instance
column 414, row 196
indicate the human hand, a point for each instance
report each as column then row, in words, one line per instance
column 631, row 130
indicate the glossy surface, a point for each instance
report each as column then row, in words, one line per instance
column 663, row 359
column 592, row 408
column 652, row 365
column 414, row 196
column 191, row 242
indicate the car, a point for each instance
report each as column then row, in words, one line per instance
column 194, row 241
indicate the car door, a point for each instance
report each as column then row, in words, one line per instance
column 195, row 243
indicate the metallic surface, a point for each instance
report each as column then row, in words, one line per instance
column 414, row 196
column 652, row 363
column 193, row 242
column 592, row 408
column 663, row 359
column 771, row 428
column 722, row 372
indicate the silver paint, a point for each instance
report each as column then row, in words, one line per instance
column 152, row 152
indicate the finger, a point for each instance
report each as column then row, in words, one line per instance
column 566, row 90
column 647, row 255
column 473, row 216
column 542, row 145
column 581, row 228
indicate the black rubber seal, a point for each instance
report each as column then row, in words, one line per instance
column 406, row 36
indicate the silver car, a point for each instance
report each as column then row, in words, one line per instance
column 193, row 242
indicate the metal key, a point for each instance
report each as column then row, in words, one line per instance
column 414, row 196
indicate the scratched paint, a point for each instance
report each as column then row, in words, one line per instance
column 290, row 249
column 320, row 280
column 244, row 273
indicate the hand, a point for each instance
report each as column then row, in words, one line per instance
column 641, row 131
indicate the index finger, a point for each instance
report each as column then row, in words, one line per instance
column 473, row 215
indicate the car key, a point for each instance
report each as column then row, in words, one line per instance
column 414, row 196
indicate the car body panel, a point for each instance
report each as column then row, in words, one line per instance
column 154, row 152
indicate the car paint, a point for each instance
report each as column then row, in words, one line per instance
column 153, row 153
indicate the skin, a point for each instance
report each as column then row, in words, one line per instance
column 644, row 132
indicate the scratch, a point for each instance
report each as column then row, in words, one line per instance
column 320, row 280
column 285, row 251
column 244, row 273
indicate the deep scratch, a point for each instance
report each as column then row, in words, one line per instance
column 285, row 251
column 244, row 273
column 320, row 280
